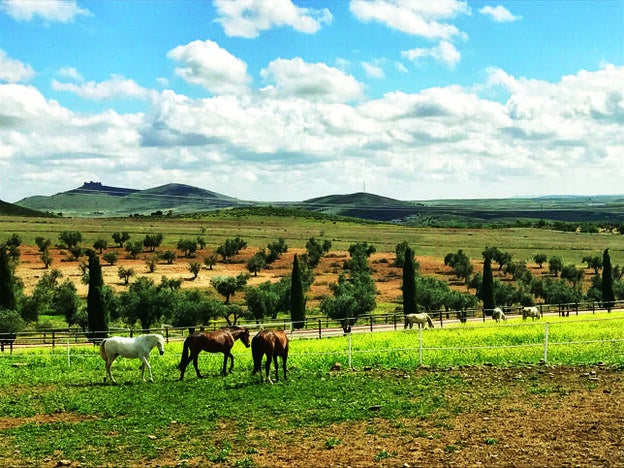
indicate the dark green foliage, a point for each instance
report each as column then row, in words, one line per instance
column 230, row 248
column 297, row 298
column 540, row 259
column 315, row 250
column 460, row 264
column 555, row 264
column 8, row 299
column 70, row 238
column 257, row 262
column 276, row 249
column 408, row 287
column 607, row 281
column 121, row 238
column 487, row 287
column 263, row 300
column 152, row 241
column 97, row 311
column 355, row 295
column 145, row 303
column 134, row 248
column 227, row 286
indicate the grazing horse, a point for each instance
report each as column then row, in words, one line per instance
column 532, row 312
column 218, row 341
column 139, row 347
column 420, row 319
column 269, row 343
column 498, row 314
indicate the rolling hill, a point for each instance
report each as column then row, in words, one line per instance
column 93, row 199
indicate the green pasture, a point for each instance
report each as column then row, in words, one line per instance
column 258, row 231
column 224, row 419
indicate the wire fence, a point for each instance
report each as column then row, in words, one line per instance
column 430, row 346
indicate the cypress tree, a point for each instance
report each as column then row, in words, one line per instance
column 487, row 288
column 97, row 313
column 608, row 298
column 409, row 283
column 297, row 299
column 7, row 286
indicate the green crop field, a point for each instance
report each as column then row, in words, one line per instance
column 54, row 404
column 258, row 231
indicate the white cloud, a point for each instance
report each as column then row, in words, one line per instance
column 429, row 19
column 499, row 13
column 71, row 73
column 116, row 87
column 12, row 70
column 315, row 81
column 208, row 65
column 295, row 141
column 248, row 18
column 444, row 53
column 62, row 11
column 373, row 70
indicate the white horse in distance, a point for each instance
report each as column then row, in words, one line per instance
column 139, row 347
column 498, row 314
column 532, row 312
column 420, row 319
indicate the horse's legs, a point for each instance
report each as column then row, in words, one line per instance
column 225, row 360
column 276, row 367
column 267, row 368
column 149, row 368
column 109, row 363
column 231, row 362
column 195, row 358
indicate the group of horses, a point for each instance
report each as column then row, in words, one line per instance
column 269, row 343
column 424, row 319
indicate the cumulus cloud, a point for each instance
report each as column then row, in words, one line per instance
column 305, row 136
column 444, row 53
column 248, row 18
column 373, row 70
column 61, row 11
column 70, row 73
column 12, row 70
column 206, row 64
column 316, row 81
column 430, row 20
column 116, row 87
column 499, row 14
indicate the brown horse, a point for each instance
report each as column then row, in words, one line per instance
column 218, row 341
column 271, row 343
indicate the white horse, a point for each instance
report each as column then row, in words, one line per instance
column 532, row 312
column 420, row 319
column 498, row 314
column 139, row 347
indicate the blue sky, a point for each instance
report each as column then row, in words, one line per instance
column 289, row 100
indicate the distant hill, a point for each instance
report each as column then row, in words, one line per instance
column 362, row 205
column 95, row 199
column 9, row 209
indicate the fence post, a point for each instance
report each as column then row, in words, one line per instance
column 68, row 354
column 394, row 321
column 53, row 338
column 319, row 328
column 546, row 343
column 371, row 323
column 420, row 359
column 350, row 365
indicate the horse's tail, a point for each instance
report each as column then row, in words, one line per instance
column 430, row 321
column 103, row 350
column 185, row 352
column 256, row 353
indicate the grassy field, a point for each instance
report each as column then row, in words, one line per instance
column 258, row 231
column 57, row 407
